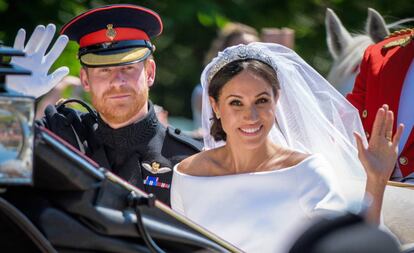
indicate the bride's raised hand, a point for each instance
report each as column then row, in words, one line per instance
column 380, row 157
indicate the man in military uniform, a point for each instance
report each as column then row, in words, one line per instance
column 387, row 77
column 124, row 134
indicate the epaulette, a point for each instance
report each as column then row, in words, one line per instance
column 177, row 135
column 407, row 37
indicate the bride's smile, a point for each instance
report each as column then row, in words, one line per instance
column 250, row 131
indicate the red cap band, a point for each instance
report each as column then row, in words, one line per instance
column 111, row 35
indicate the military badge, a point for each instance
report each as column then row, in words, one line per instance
column 154, row 181
column 155, row 168
column 110, row 31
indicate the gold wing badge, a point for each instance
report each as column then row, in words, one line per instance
column 155, row 168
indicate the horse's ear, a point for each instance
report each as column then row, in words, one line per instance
column 376, row 27
column 337, row 37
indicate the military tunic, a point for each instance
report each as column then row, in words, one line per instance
column 383, row 70
column 143, row 153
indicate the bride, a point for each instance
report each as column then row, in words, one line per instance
column 283, row 145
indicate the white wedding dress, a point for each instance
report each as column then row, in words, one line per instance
column 261, row 211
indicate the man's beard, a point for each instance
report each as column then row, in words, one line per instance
column 118, row 112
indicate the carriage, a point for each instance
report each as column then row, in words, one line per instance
column 53, row 198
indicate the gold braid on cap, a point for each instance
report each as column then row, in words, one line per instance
column 240, row 52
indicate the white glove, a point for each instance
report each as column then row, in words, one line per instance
column 40, row 82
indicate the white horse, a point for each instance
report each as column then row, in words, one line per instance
column 347, row 50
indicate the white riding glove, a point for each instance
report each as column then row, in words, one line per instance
column 40, row 82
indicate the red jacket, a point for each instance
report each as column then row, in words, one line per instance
column 380, row 81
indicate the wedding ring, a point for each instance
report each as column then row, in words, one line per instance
column 388, row 135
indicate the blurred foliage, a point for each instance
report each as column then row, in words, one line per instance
column 190, row 26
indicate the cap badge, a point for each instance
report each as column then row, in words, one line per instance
column 110, row 31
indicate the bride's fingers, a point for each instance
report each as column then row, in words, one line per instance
column 397, row 135
column 359, row 142
column 378, row 126
column 386, row 108
column 389, row 122
column 383, row 132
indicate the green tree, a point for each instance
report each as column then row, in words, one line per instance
column 190, row 26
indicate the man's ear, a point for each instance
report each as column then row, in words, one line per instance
column 84, row 79
column 150, row 69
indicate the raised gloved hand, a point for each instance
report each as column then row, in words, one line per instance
column 40, row 82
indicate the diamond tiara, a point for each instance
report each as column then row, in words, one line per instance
column 240, row 52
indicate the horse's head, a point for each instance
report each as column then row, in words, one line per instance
column 347, row 50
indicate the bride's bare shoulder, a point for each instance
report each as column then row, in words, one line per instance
column 294, row 158
column 298, row 157
column 198, row 164
column 288, row 158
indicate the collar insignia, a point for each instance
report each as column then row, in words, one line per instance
column 110, row 31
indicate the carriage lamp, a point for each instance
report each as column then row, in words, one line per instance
column 16, row 126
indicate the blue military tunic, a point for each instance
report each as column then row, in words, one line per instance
column 143, row 153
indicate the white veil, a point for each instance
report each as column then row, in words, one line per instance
column 311, row 115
